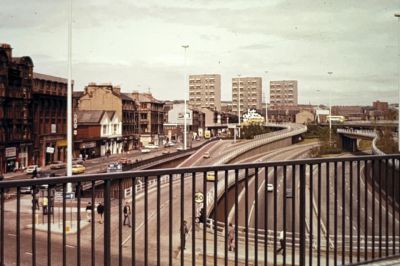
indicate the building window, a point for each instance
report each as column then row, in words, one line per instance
column 104, row 129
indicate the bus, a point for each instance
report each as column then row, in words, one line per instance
column 336, row 118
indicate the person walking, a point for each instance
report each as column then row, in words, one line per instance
column 89, row 209
column 184, row 233
column 127, row 214
column 282, row 242
column 34, row 173
column 100, row 211
column 45, row 203
column 35, row 202
column 231, row 237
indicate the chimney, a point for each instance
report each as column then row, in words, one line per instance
column 7, row 48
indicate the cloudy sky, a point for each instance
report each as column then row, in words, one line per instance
column 137, row 44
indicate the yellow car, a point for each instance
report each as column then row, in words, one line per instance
column 78, row 169
column 210, row 177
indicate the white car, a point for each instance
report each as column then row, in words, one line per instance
column 31, row 168
column 270, row 187
column 145, row 150
column 151, row 146
column 206, row 155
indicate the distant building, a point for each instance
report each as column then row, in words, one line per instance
column 205, row 91
column 151, row 118
column 305, row 117
column 195, row 119
column 226, row 106
column 250, row 94
column 283, row 93
column 380, row 106
column 349, row 112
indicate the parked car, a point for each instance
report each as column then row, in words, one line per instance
column 114, row 167
column 78, row 169
column 145, row 150
column 57, row 165
column 270, row 187
column 206, row 155
column 151, row 146
column 31, row 168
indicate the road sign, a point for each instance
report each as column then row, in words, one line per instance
column 58, row 196
column 198, row 197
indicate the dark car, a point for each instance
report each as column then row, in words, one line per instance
column 289, row 193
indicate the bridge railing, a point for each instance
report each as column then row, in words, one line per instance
column 299, row 212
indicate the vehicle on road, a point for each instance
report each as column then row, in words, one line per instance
column 206, row 155
column 78, row 169
column 25, row 190
column 57, row 165
column 31, row 168
column 145, row 150
column 114, row 168
column 210, row 177
column 207, row 134
column 151, row 146
column 165, row 152
column 77, row 161
column 289, row 193
column 270, row 187
column 180, row 148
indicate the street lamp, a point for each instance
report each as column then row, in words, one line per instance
column 397, row 15
column 330, row 114
column 185, row 111
column 239, row 105
column 69, row 98
column 265, row 98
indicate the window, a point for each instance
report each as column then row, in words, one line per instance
column 104, row 129
column 115, row 129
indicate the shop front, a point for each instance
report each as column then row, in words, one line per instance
column 88, row 150
column 11, row 159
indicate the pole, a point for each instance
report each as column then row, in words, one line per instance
column 330, row 115
column 69, row 98
column 398, row 81
column 185, row 111
column 265, row 98
column 239, row 106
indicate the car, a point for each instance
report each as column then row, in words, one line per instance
column 206, row 155
column 169, row 144
column 180, row 148
column 210, row 177
column 165, row 152
column 78, row 169
column 46, row 174
column 114, row 167
column 25, row 190
column 145, row 150
column 31, row 168
column 151, row 146
column 270, row 187
column 57, row 165
column 289, row 193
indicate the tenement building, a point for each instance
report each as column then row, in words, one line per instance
column 16, row 136
column 205, row 91
column 283, row 93
column 250, row 94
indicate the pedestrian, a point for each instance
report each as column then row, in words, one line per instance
column 45, row 203
column 231, row 237
column 127, row 214
column 184, row 233
column 282, row 242
column 34, row 173
column 35, row 202
column 108, row 153
column 89, row 209
column 202, row 216
column 100, row 211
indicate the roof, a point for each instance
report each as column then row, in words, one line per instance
column 126, row 97
column 110, row 114
column 89, row 116
column 77, row 94
column 48, row 77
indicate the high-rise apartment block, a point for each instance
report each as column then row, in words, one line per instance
column 283, row 93
column 205, row 91
column 250, row 94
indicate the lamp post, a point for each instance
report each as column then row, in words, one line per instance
column 397, row 15
column 185, row 108
column 265, row 98
column 239, row 105
column 69, row 98
column 330, row 114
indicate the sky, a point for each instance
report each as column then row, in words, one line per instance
column 138, row 44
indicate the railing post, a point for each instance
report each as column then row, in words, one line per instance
column 302, row 216
column 107, row 222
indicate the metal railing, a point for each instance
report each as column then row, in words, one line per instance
column 315, row 211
